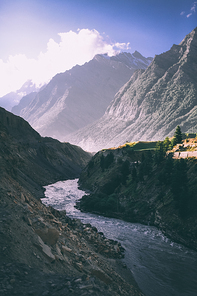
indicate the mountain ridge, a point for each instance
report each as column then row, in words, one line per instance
column 9, row 100
column 152, row 103
column 79, row 96
column 23, row 152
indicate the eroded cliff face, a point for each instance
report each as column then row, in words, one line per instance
column 42, row 251
column 151, row 104
column 138, row 186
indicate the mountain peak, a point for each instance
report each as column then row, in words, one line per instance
column 134, row 61
column 137, row 54
column 99, row 56
column 190, row 41
column 79, row 96
column 152, row 103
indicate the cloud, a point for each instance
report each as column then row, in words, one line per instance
column 182, row 13
column 73, row 48
column 192, row 10
column 194, row 7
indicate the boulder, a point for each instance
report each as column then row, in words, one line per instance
column 48, row 235
column 45, row 249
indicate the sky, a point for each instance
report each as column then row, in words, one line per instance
column 39, row 38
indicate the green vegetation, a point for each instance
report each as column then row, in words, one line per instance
column 188, row 135
column 140, row 145
column 105, row 162
column 177, row 136
column 138, row 180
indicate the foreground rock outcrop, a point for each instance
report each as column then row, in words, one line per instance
column 43, row 252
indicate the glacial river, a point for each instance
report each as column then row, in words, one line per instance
column 159, row 266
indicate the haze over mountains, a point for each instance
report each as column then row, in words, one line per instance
column 152, row 103
column 79, row 96
column 151, row 99
column 13, row 98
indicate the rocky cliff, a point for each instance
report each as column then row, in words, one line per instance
column 152, row 103
column 137, row 183
column 42, row 251
column 79, row 96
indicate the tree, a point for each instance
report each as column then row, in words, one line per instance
column 159, row 152
column 177, row 136
column 102, row 162
column 125, row 171
column 105, row 162
column 134, row 173
column 179, row 185
column 167, row 144
column 109, row 160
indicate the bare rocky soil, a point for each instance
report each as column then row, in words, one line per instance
column 43, row 252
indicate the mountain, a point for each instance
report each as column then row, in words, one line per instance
column 42, row 250
column 13, row 98
column 79, row 96
column 152, row 103
column 34, row 161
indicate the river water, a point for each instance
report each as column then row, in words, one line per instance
column 159, row 266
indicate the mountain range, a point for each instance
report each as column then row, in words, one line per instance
column 11, row 99
column 151, row 104
column 78, row 97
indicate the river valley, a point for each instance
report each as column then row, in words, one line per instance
column 160, row 266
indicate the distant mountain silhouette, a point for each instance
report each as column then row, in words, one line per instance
column 79, row 96
column 13, row 98
column 152, row 103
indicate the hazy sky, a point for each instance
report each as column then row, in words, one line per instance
column 39, row 38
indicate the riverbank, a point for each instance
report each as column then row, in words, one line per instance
column 166, row 230
column 159, row 265
column 144, row 187
column 44, row 252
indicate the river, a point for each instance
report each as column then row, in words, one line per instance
column 159, row 266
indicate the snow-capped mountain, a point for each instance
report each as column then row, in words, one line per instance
column 13, row 98
column 78, row 97
column 152, row 103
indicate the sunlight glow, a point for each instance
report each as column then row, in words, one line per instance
column 74, row 48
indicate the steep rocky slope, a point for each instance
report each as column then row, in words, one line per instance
column 152, row 103
column 32, row 160
column 42, row 251
column 79, row 96
column 140, row 184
